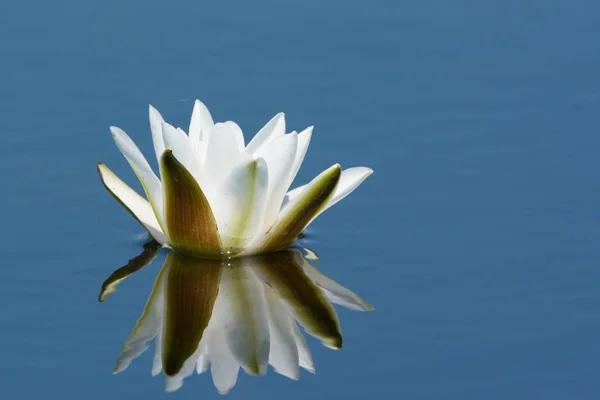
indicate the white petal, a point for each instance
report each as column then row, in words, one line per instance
column 201, row 123
column 140, row 166
column 351, row 178
column 225, row 151
column 179, row 142
column 147, row 327
column 201, row 149
column 135, row 204
column 303, row 143
column 156, row 121
column 283, row 355
column 274, row 128
column 245, row 318
column 279, row 155
column 243, row 203
column 298, row 213
column 292, row 194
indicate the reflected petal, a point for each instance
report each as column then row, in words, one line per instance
column 203, row 360
column 304, row 355
column 157, row 359
column 245, row 318
column 147, row 327
column 223, row 365
column 283, row 355
column 335, row 292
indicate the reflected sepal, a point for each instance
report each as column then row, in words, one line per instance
column 140, row 261
column 282, row 272
column 192, row 287
column 245, row 318
column 148, row 326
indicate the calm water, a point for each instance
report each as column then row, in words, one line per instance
column 476, row 239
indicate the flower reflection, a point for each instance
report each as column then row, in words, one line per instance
column 227, row 314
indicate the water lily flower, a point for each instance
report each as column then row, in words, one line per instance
column 218, row 197
column 227, row 315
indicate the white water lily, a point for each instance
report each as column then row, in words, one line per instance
column 218, row 197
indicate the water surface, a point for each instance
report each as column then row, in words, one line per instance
column 476, row 239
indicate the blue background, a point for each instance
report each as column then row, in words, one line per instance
column 477, row 238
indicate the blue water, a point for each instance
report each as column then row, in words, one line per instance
column 476, row 239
